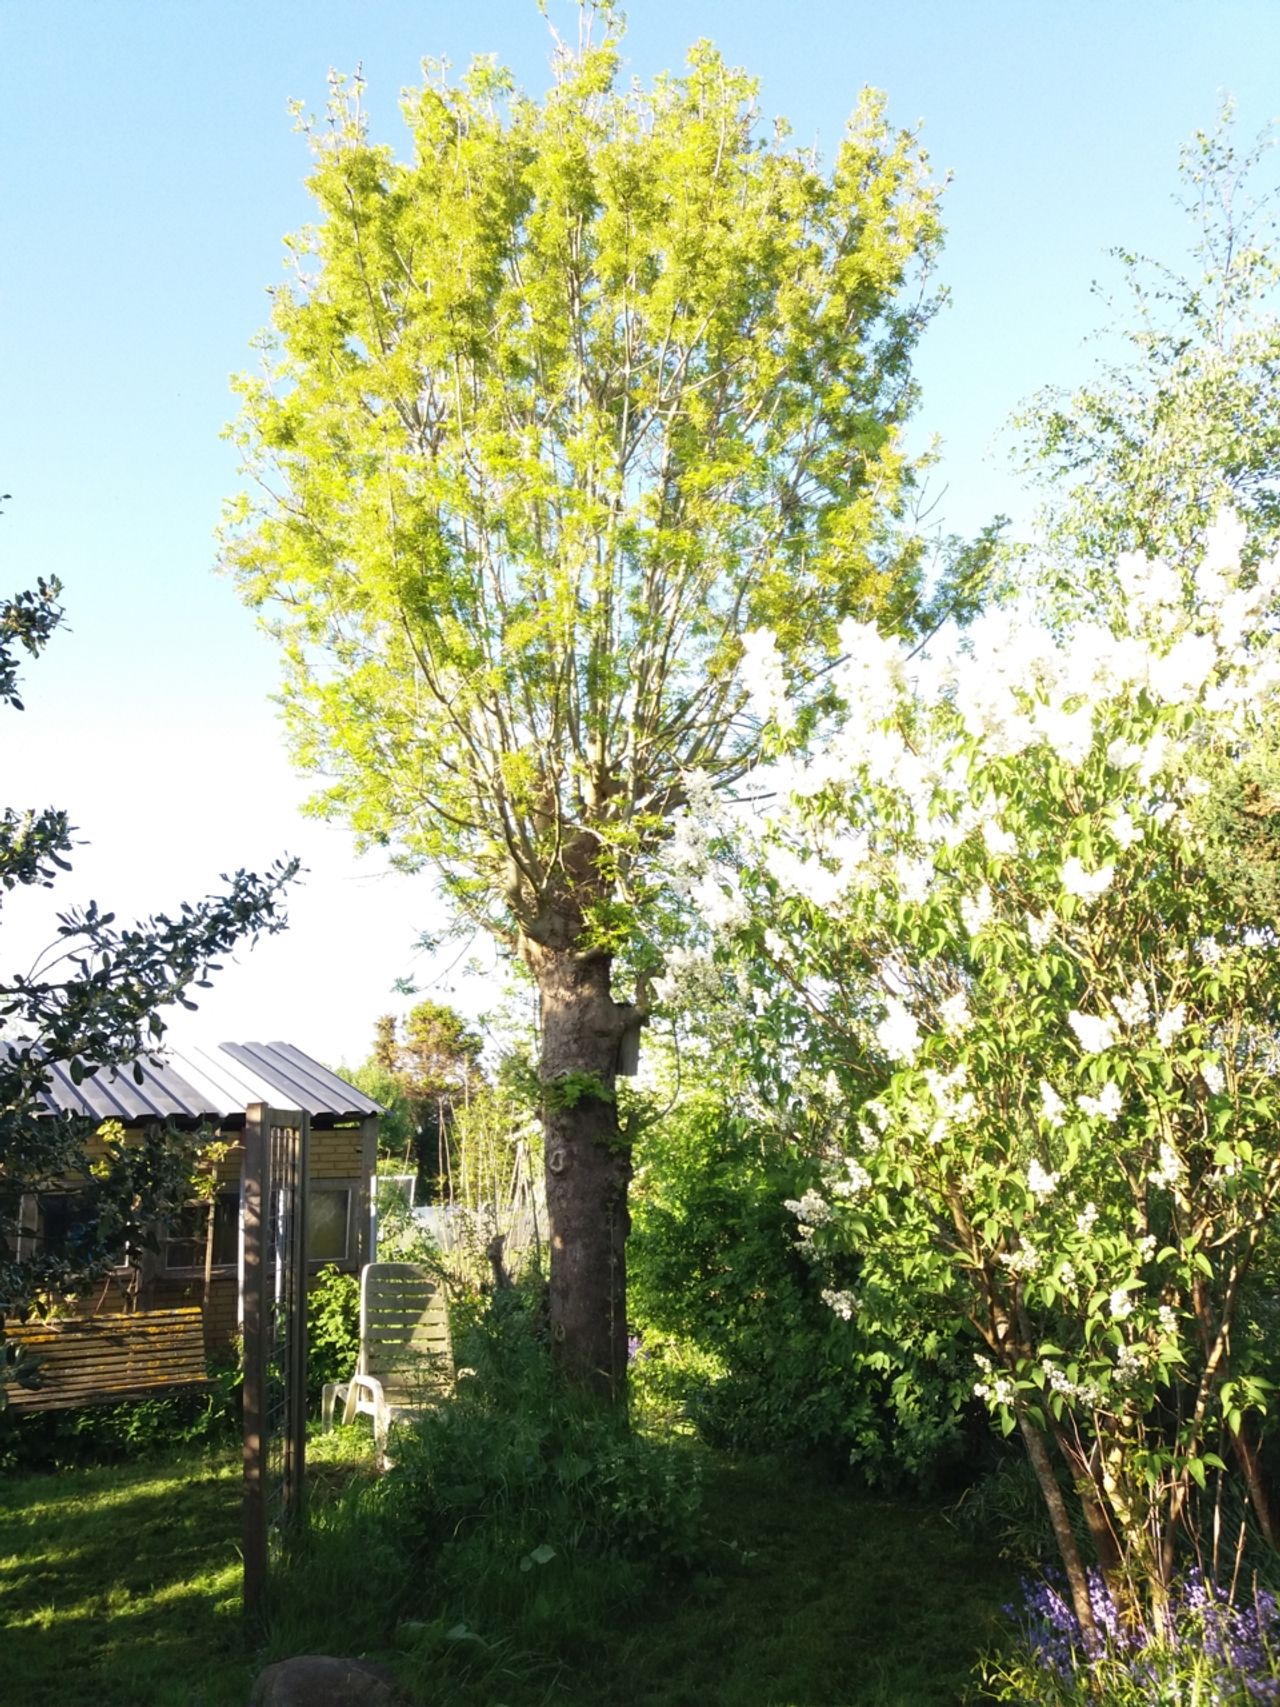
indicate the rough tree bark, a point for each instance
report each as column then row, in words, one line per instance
column 588, row 1164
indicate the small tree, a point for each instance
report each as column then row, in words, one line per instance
column 431, row 1066
column 92, row 1006
column 1143, row 455
column 554, row 413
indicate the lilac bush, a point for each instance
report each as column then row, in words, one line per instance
column 992, row 972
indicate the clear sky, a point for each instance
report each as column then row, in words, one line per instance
column 150, row 171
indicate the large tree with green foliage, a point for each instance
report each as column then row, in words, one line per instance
column 92, row 1004
column 553, row 413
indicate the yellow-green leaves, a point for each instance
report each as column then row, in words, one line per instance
column 555, row 408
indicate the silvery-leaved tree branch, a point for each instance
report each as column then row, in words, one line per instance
column 1184, row 416
column 553, row 411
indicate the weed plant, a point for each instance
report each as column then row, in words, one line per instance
column 1004, row 1509
column 333, row 1329
column 133, row 1429
column 534, row 1508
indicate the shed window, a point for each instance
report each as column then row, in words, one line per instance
column 329, row 1222
column 66, row 1225
column 188, row 1232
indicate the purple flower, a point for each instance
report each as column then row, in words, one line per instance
column 1241, row 1640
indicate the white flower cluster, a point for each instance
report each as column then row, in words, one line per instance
column 1041, row 929
column 1008, row 683
column 763, row 677
column 853, row 1181
column 954, row 1103
column 898, row 1034
column 1088, row 885
column 1133, row 1362
column 690, row 979
column 995, row 1388
column 811, row 1210
column 1171, row 1023
column 1076, row 1392
column 1025, row 1260
column 1120, row 1304
column 719, row 899
column 1040, row 1182
column 977, row 911
column 1135, row 1008
column 1106, row 1105
column 1169, row 1172
column 1052, row 1107
column 1095, row 1033
column 843, row 1303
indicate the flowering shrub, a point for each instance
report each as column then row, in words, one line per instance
column 994, row 959
column 1202, row 1648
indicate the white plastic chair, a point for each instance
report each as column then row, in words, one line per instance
column 406, row 1358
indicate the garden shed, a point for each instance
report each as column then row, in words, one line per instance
column 190, row 1288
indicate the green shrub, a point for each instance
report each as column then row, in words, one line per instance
column 731, row 1323
column 531, row 1512
column 333, row 1329
column 100, row 1434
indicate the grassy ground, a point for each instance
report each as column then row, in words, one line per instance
column 119, row 1588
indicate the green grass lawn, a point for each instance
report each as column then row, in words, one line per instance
column 121, row 1584
column 119, row 1587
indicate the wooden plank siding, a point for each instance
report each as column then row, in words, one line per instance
column 91, row 1360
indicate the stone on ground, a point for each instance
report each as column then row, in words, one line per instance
column 316, row 1680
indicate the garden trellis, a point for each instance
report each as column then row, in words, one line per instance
column 275, row 1336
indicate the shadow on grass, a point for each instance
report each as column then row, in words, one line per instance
column 817, row 1597
column 809, row 1595
column 122, row 1583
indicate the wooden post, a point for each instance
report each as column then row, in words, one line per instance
column 276, row 1162
column 295, row 1451
column 257, row 1196
column 368, row 1182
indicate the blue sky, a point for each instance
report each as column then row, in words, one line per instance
column 150, row 172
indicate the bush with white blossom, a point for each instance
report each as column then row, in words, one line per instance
column 983, row 928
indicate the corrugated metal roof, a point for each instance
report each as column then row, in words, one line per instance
column 297, row 1080
column 210, row 1084
column 164, row 1094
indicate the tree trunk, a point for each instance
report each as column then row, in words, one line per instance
column 1051, row 1493
column 1244, row 1445
column 1106, row 1545
column 588, row 1165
